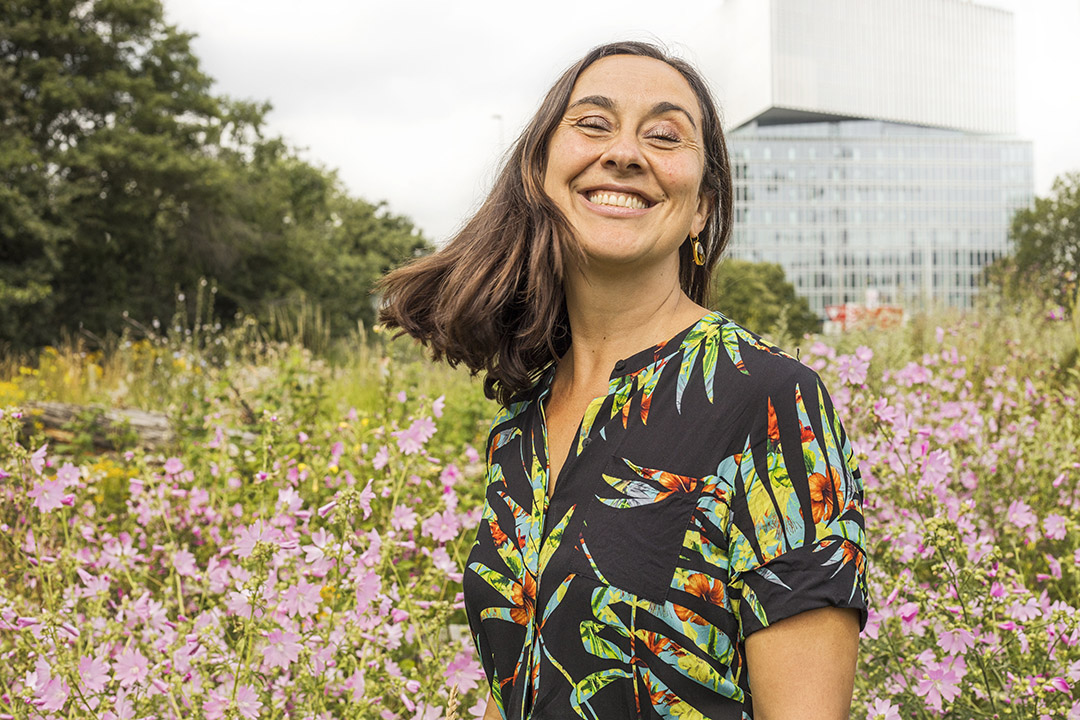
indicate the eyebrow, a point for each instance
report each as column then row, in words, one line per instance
column 658, row 109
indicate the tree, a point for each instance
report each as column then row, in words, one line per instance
column 759, row 296
column 105, row 116
column 123, row 179
column 1046, row 244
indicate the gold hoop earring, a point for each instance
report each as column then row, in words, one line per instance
column 699, row 250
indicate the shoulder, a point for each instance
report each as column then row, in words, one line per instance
column 758, row 363
column 510, row 417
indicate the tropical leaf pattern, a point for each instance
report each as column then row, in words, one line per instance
column 709, row 493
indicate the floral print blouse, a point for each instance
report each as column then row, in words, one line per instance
column 710, row 493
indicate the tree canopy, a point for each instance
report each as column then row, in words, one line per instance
column 759, row 296
column 1046, row 245
column 124, row 178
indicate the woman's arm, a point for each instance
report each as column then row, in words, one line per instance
column 492, row 711
column 803, row 667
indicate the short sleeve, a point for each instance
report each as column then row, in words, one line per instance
column 796, row 536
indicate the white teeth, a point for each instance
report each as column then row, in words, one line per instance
column 618, row 200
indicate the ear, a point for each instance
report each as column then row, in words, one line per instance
column 701, row 215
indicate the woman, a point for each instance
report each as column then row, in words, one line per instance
column 673, row 520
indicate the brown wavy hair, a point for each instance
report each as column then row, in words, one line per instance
column 492, row 297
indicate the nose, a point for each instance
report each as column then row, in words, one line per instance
column 624, row 152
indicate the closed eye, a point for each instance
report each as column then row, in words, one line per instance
column 665, row 136
column 593, row 122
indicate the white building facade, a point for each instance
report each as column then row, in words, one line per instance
column 873, row 144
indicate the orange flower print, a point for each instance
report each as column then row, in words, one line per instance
column 497, row 535
column 851, row 552
column 524, row 597
column 706, row 588
column 675, row 483
column 654, row 642
column 688, row 615
column 824, row 495
column 774, row 428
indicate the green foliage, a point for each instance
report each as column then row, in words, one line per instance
column 758, row 296
column 1046, row 239
column 124, row 179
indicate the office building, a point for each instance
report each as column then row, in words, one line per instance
column 873, row 145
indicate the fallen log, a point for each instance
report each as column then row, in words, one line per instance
column 62, row 422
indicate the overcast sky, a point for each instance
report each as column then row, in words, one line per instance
column 413, row 102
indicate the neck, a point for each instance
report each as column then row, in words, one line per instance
column 612, row 318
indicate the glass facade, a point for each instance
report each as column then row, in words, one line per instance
column 861, row 211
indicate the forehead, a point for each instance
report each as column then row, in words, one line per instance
column 631, row 79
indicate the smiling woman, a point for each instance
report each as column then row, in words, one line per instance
column 673, row 519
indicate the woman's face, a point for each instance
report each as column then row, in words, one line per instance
column 625, row 163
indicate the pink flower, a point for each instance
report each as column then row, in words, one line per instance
column 471, row 455
column 450, row 475
column 1020, row 514
column 355, row 682
column 247, row 537
column 403, row 518
column 282, row 651
column 441, row 527
column 53, row 694
column 956, row 642
column 301, row 599
column 1026, row 612
column 864, row 353
column 412, row 439
column 217, row 702
column 438, row 405
column 427, row 712
column 851, row 370
column 37, row 460
column 1054, row 525
column 464, row 671
column 938, row 684
column 94, row 673
column 68, row 475
column 184, row 563
column 174, row 466
column 367, row 589
column 382, row 457
column 936, row 468
column 48, row 495
column 1055, row 566
column 908, row 611
column 442, row 561
column 247, row 702
column 883, row 710
column 131, row 668
column 123, row 708
column 365, row 498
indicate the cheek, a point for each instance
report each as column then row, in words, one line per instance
column 568, row 155
column 680, row 177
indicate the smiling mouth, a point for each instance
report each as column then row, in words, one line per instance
column 614, row 199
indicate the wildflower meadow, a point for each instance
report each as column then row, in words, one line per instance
column 296, row 551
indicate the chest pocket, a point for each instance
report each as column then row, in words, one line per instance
column 634, row 527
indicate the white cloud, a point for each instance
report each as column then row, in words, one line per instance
column 400, row 96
